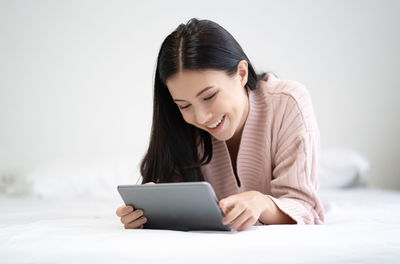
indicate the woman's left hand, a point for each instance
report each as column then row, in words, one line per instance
column 243, row 210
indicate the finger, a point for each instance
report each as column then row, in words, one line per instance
column 119, row 210
column 223, row 209
column 124, row 210
column 227, row 204
column 138, row 223
column 246, row 225
column 149, row 183
column 242, row 218
column 131, row 217
column 233, row 214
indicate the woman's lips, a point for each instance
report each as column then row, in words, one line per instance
column 218, row 128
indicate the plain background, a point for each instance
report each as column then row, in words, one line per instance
column 76, row 76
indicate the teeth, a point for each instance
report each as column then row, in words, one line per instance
column 216, row 124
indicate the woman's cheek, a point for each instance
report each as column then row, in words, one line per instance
column 187, row 117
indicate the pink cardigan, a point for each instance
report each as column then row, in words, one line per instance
column 278, row 153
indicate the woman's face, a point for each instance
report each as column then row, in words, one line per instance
column 211, row 100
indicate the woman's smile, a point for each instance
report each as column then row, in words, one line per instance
column 217, row 127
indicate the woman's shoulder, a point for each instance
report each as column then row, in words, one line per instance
column 286, row 95
column 273, row 88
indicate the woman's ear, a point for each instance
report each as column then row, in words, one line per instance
column 243, row 72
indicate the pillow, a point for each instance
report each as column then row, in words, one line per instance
column 341, row 168
column 83, row 178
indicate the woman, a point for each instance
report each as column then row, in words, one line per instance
column 253, row 138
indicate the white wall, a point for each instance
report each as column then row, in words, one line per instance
column 76, row 76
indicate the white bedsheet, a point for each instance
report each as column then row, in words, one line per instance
column 362, row 226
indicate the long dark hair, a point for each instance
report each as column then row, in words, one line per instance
column 174, row 144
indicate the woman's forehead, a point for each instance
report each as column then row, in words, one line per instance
column 195, row 80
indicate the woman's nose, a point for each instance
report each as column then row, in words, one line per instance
column 203, row 116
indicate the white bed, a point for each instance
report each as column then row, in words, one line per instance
column 361, row 227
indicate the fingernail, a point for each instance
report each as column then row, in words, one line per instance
column 129, row 209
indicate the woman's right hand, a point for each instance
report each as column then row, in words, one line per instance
column 131, row 218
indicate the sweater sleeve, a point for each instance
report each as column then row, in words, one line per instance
column 294, row 180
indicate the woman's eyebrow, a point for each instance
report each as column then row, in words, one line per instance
column 198, row 94
column 205, row 89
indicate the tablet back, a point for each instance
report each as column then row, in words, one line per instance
column 176, row 206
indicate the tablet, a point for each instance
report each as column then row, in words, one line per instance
column 176, row 206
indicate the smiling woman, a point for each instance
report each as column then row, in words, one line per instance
column 254, row 138
column 221, row 108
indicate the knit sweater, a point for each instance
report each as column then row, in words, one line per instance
column 278, row 152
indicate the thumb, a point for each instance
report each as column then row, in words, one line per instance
column 226, row 203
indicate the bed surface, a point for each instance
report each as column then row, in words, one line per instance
column 361, row 227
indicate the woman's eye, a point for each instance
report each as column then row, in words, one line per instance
column 208, row 98
column 184, row 107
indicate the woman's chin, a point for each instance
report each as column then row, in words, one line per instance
column 221, row 136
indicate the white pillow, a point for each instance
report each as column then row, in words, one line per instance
column 341, row 168
column 83, row 178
